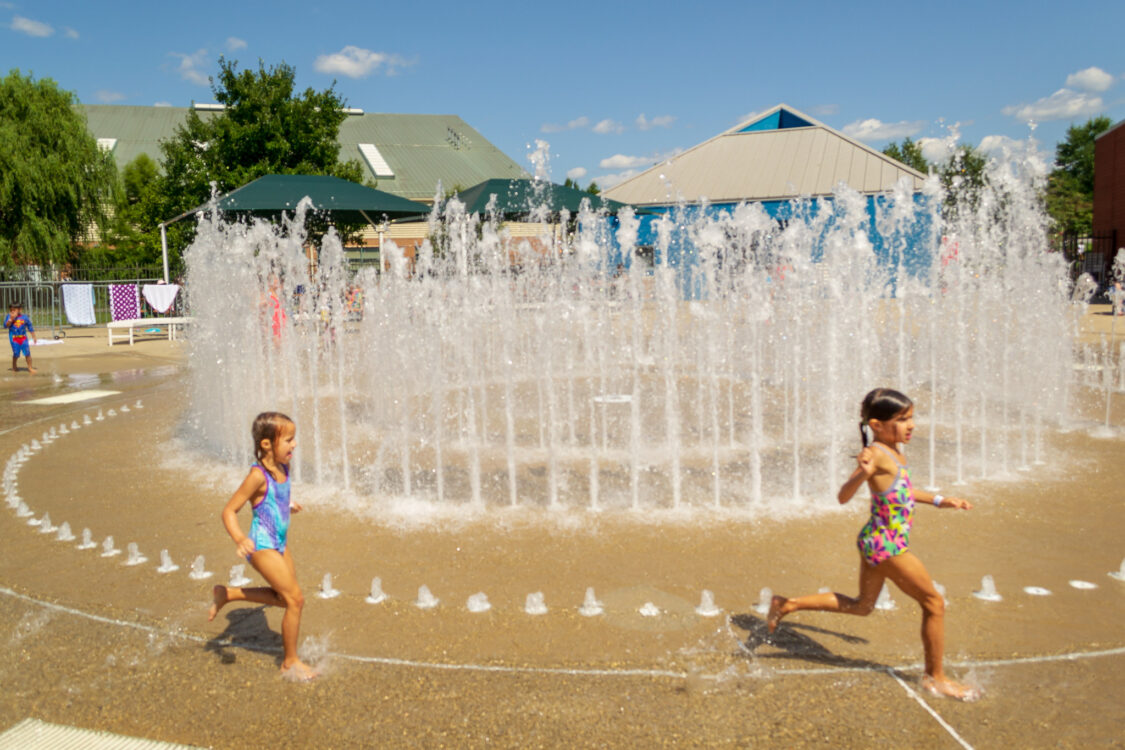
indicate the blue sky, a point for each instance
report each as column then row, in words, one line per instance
column 613, row 87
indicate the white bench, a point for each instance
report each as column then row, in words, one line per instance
column 173, row 325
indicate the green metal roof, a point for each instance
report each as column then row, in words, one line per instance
column 421, row 150
column 138, row 130
column 518, row 197
column 274, row 193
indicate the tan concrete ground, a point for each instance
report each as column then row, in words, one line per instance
column 91, row 642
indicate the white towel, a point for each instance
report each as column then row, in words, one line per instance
column 160, row 296
column 78, row 300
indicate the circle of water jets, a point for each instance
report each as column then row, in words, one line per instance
column 717, row 368
column 534, row 605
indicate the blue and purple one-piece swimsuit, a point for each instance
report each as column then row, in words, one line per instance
column 270, row 526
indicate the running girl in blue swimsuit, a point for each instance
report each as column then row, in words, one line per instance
column 887, row 421
column 266, row 488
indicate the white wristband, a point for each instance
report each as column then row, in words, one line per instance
column 937, row 500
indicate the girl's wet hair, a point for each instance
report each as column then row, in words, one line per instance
column 267, row 426
column 882, row 404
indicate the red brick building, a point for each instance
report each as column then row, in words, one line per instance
column 1109, row 190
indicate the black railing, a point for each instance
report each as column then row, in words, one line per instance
column 56, row 274
column 1092, row 254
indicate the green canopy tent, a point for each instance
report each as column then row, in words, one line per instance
column 517, row 198
column 273, row 194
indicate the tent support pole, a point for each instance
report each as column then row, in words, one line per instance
column 164, row 249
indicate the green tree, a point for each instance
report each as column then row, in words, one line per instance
column 138, row 178
column 1070, row 207
column 592, row 188
column 963, row 178
column 266, row 127
column 130, row 239
column 1075, row 154
column 908, row 153
column 55, row 182
column 1070, row 186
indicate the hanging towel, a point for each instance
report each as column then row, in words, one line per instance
column 124, row 302
column 160, row 296
column 78, row 301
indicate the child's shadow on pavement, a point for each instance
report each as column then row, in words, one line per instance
column 794, row 645
column 248, row 630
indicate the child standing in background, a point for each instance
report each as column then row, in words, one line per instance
column 19, row 328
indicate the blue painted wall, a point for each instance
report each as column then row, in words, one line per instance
column 916, row 244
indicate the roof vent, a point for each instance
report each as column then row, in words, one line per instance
column 375, row 160
column 457, row 140
column 107, row 144
column 351, row 110
column 208, row 106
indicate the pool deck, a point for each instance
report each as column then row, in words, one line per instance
column 93, row 643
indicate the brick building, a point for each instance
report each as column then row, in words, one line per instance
column 1109, row 191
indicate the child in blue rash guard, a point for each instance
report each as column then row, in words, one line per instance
column 19, row 328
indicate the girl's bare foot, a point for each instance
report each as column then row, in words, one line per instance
column 298, row 671
column 945, row 688
column 775, row 615
column 219, row 594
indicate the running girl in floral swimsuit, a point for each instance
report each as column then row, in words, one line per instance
column 884, row 542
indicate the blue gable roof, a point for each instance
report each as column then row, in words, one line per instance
column 779, row 120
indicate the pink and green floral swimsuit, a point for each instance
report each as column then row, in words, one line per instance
column 887, row 533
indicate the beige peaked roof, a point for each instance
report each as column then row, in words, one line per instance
column 766, row 165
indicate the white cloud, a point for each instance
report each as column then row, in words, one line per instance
column 997, row 143
column 609, row 126
column 30, row 27
column 1064, row 104
column 162, row 104
column 105, row 96
column 606, row 181
column 551, row 127
column 234, row 44
column 1090, row 79
column 576, row 173
column 877, row 130
column 356, row 62
column 189, row 67
column 621, row 161
column 824, row 110
column 70, row 33
column 935, row 150
column 661, row 121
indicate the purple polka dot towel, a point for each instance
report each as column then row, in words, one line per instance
column 123, row 301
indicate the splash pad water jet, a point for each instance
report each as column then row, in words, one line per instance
column 485, row 372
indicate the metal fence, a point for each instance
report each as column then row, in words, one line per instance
column 42, row 301
column 39, row 274
column 1092, row 254
column 39, row 302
